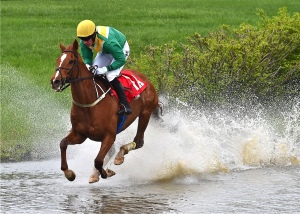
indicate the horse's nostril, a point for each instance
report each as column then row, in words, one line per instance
column 56, row 82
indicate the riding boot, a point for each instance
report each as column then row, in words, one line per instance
column 122, row 97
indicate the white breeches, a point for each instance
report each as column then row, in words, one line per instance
column 103, row 60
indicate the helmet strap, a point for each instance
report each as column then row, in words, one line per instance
column 94, row 36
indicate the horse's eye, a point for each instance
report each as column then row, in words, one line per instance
column 71, row 61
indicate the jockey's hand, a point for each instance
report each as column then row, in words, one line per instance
column 92, row 68
column 100, row 71
column 88, row 66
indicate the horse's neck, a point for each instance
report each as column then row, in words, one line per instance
column 84, row 91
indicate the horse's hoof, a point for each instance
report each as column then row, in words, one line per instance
column 119, row 160
column 70, row 175
column 94, row 179
column 110, row 173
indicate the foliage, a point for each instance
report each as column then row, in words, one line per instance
column 230, row 64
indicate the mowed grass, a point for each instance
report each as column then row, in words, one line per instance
column 31, row 31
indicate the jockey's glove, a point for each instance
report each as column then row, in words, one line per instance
column 91, row 68
column 100, row 71
column 88, row 66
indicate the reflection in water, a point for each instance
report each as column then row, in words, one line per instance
column 27, row 187
column 116, row 201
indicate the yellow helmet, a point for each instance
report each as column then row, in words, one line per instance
column 85, row 28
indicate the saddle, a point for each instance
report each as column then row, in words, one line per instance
column 132, row 84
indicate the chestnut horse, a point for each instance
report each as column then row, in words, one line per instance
column 94, row 111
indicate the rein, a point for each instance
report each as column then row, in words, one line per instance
column 69, row 80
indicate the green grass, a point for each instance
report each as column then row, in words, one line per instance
column 31, row 31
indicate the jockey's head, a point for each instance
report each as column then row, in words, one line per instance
column 86, row 30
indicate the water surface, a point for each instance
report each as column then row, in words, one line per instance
column 38, row 187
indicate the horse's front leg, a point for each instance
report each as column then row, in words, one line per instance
column 99, row 161
column 72, row 138
column 95, row 175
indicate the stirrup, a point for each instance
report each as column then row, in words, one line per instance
column 124, row 110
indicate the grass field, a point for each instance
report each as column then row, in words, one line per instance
column 31, row 31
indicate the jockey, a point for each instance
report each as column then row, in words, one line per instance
column 112, row 52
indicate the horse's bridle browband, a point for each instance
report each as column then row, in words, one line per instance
column 68, row 78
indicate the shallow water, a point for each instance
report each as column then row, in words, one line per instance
column 39, row 187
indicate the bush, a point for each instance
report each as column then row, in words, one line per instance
column 250, row 63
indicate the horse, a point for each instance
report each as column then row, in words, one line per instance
column 94, row 111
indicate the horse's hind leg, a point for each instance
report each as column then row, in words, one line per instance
column 119, row 159
column 72, row 138
column 138, row 140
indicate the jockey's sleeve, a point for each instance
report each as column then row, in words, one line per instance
column 86, row 53
column 114, row 48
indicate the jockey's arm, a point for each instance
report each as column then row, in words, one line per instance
column 86, row 53
column 116, row 51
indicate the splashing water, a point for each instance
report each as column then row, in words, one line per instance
column 190, row 143
column 44, row 117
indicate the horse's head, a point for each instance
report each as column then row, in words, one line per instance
column 66, row 64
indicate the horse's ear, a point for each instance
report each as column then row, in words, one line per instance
column 62, row 47
column 75, row 45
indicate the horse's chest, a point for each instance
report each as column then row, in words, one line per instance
column 80, row 118
column 83, row 122
column 89, row 125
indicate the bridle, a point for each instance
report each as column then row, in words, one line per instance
column 66, row 81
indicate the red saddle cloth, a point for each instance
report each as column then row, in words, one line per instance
column 132, row 84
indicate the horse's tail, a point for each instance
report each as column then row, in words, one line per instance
column 158, row 111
